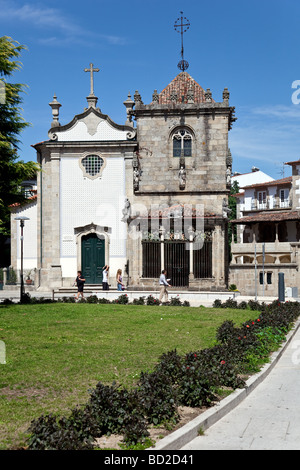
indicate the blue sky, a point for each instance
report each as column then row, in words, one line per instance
column 250, row 47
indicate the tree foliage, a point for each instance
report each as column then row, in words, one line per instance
column 12, row 170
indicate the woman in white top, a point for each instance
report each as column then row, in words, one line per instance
column 105, row 277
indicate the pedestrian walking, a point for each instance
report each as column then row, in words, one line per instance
column 163, row 286
column 80, row 285
column 120, row 285
column 105, row 285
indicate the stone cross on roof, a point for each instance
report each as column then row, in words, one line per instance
column 92, row 99
column 92, row 70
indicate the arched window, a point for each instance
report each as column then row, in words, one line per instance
column 182, row 143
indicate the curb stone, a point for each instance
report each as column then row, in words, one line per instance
column 188, row 432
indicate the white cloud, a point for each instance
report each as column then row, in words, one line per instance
column 268, row 136
column 55, row 20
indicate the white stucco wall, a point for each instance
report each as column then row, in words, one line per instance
column 84, row 201
column 29, row 237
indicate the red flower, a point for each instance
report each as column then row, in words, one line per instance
column 222, row 362
column 253, row 323
column 247, row 326
column 195, row 355
column 187, row 367
column 258, row 319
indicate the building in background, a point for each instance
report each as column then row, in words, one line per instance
column 268, row 235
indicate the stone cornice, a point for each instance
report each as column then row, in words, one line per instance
column 198, row 109
column 86, row 113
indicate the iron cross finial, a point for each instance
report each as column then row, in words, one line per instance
column 92, row 70
column 181, row 28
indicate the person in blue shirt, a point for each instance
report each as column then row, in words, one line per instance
column 163, row 283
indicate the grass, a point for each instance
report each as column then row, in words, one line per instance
column 56, row 352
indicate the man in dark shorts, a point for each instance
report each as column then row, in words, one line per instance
column 80, row 284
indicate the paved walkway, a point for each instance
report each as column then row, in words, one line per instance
column 268, row 418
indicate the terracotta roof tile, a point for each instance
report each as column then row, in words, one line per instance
column 28, row 200
column 281, row 181
column 181, row 85
column 268, row 217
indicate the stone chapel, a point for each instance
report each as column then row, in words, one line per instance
column 142, row 196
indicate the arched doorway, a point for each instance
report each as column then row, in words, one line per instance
column 92, row 258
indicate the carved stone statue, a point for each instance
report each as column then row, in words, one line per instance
column 182, row 177
column 126, row 211
column 225, row 208
column 136, row 178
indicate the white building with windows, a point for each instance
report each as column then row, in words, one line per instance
column 268, row 235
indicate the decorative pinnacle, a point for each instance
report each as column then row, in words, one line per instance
column 55, row 105
column 181, row 28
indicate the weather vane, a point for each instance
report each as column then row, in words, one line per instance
column 181, row 25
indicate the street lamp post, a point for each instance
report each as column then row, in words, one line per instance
column 22, row 221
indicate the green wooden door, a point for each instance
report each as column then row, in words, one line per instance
column 92, row 258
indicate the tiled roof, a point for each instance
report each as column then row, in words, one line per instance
column 268, row 217
column 180, row 85
column 279, row 182
column 291, row 163
column 28, row 200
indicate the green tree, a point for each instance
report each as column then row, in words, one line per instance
column 12, row 170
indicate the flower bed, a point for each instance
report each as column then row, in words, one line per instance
column 195, row 379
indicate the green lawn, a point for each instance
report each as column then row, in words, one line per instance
column 56, row 352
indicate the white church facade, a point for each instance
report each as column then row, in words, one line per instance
column 139, row 197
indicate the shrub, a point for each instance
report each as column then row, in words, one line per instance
column 158, row 398
column 225, row 331
column 175, row 301
column 103, row 300
column 139, row 301
column 170, row 364
column 118, row 411
column 232, row 287
column 122, row 299
column 49, row 433
column 230, row 303
column 217, row 303
column 92, row 299
column 152, row 301
column 243, row 305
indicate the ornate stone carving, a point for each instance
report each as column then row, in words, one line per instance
column 131, row 134
column 228, row 169
column 137, row 98
column 126, row 211
column 155, row 97
column 136, row 173
column 182, row 177
column 55, row 105
column 208, row 96
column 52, row 136
column 129, row 103
column 190, row 95
column 225, row 208
column 226, row 95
